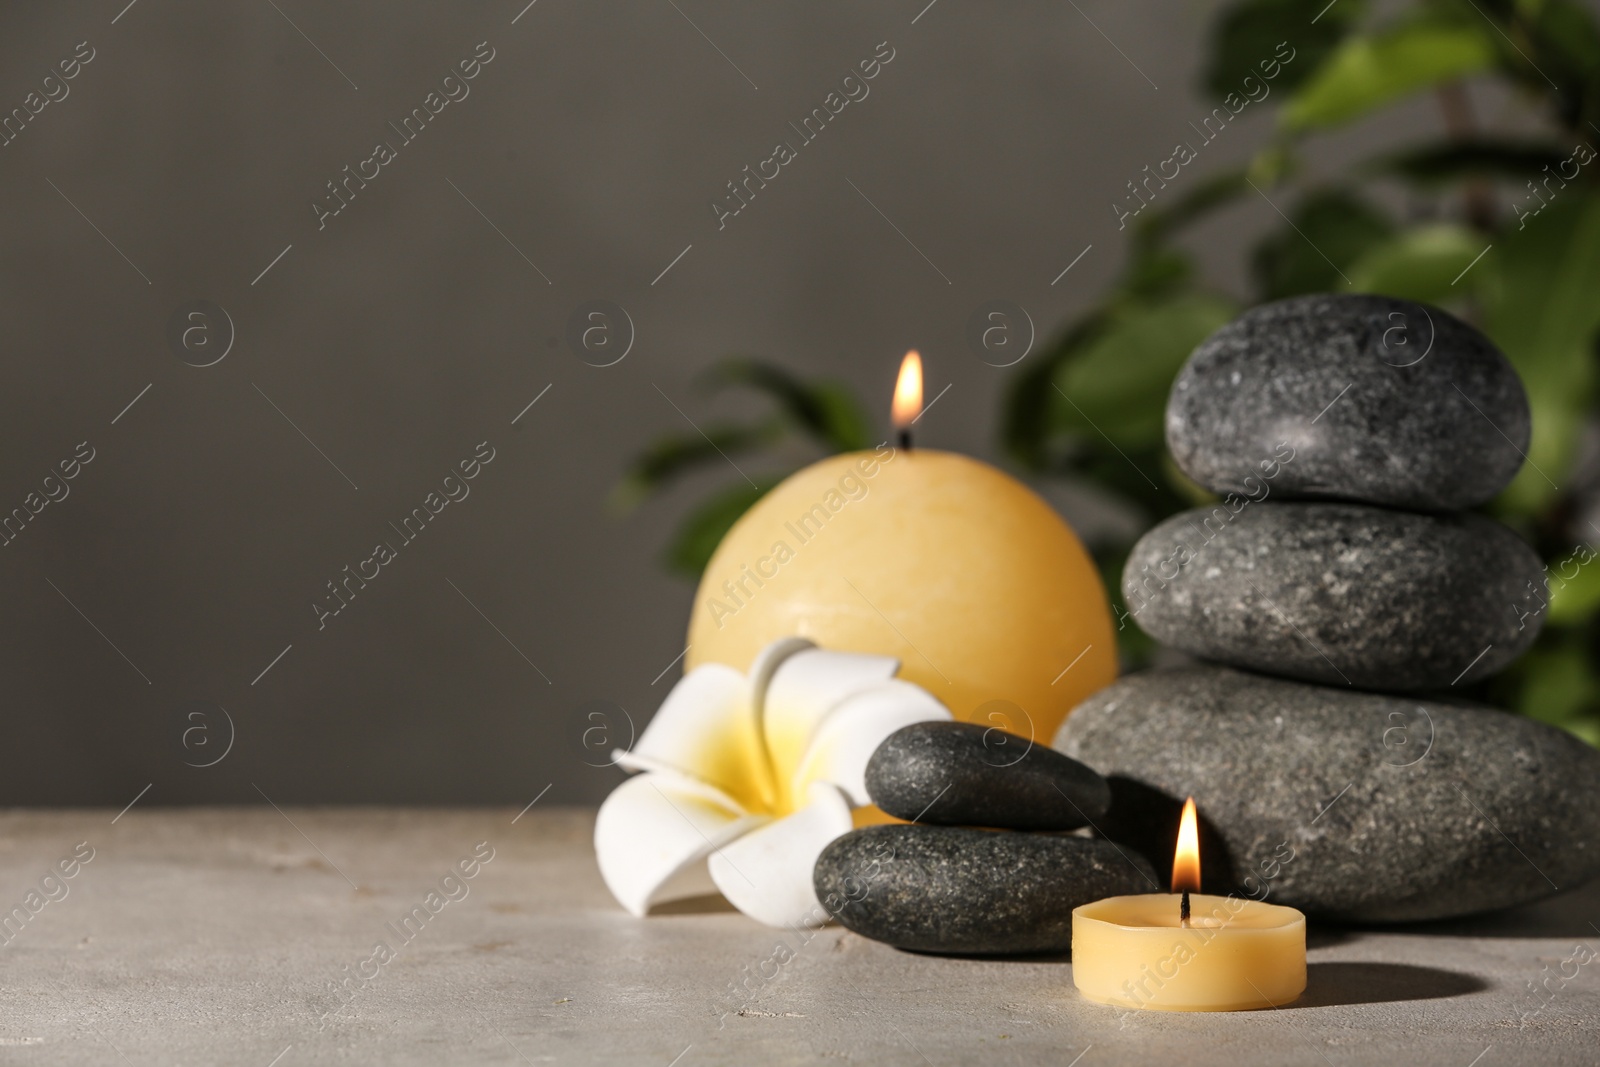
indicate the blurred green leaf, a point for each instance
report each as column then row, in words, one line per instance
column 1026, row 429
column 1133, row 474
column 1420, row 264
column 1566, row 31
column 674, row 455
column 1558, row 685
column 1574, row 590
column 1247, row 34
column 1273, row 165
column 1330, row 229
column 1368, row 72
column 1541, row 299
column 823, row 410
column 1157, row 272
column 1453, row 161
column 1586, row 729
column 698, row 536
column 1552, row 48
column 1116, row 384
column 1190, row 492
column 847, row 428
column 1112, row 370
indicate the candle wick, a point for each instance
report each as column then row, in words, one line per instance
column 1183, row 910
column 905, row 439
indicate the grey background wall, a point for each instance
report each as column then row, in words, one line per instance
column 373, row 352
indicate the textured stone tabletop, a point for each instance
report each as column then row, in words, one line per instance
column 223, row 936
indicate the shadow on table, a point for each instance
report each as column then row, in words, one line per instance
column 709, row 904
column 1329, row 984
column 1324, row 935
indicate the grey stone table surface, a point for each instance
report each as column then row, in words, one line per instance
column 221, row 936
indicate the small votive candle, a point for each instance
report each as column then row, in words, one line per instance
column 1235, row 954
column 1188, row 953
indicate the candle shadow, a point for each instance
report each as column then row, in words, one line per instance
column 1321, row 935
column 1330, row 984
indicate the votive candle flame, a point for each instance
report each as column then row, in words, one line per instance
column 1194, row 953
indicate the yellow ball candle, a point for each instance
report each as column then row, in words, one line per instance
column 952, row 567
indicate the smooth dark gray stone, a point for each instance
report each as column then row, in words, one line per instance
column 966, row 774
column 971, row 892
column 1377, row 400
column 1344, row 594
column 1347, row 805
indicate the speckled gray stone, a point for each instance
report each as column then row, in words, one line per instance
column 966, row 774
column 1347, row 805
column 1345, row 594
column 1376, row 399
column 971, row 892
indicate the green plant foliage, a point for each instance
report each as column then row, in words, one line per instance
column 1552, row 48
column 1447, row 162
column 1541, row 296
column 824, row 411
column 1372, row 71
column 1093, row 403
column 1330, row 229
column 1557, row 685
column 1422, row 264
column 1116, row 383
column 698, row 536
column 671, row 457
column 1246, row 34
column 1027, row 418
column 824, row 414
column 1574, row 600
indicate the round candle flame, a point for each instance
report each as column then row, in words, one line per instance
column 1186, row 861
column 908, row 391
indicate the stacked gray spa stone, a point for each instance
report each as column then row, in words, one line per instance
column 1344, row 596
column 990, row 863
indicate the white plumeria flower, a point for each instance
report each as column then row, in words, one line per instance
column 748, row 778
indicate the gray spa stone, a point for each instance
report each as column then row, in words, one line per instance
column 971, row 892
column 1344, row 594
column 1370, row 398
column 966, row 774
column 1347, row 805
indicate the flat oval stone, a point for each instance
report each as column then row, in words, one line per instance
column 1369, row 398
column 965, row 774
column 971, row 892
column 1347, row 805
column 1343, row 594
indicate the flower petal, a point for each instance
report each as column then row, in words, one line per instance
column 653, row 834
column 805, row 688
column 767, row 662
column 767, row 873
column 706, row 729
column 842, row 745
